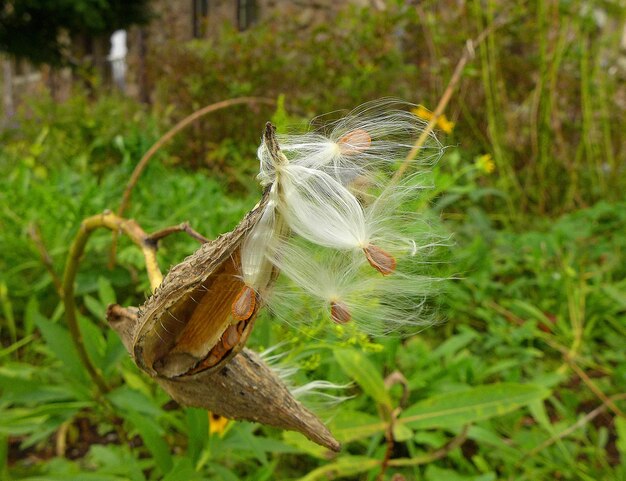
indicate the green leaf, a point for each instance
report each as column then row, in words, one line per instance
column 197, row 423
column 7, row 311
column 127, row 399
column 401, row 432
column 304, row 445
column 94, row 306
column 4, row 456
column 344, row 466
column 352, row 425
column 106, row 292
column 359, row 368
column 616, row 294
column 459, row 408
column 60, row 342
column 93, row 339
column 183, row 471
column 152, row 435
column 454, row 344
column 31, row 314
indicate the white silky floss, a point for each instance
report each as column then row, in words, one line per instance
column 311, row 191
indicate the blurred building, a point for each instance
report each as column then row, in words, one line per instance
column 120, row 62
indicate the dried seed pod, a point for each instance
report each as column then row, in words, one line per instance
column 188, row 334
column 188, row 314
column 244, row 388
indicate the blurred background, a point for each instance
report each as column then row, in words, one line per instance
column 530, row 189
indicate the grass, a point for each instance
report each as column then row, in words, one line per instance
column 524, row 379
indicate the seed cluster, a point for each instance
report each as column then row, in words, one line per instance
column 333, row 208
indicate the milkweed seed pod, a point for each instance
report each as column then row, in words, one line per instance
column 190, row 334
column 243, row 388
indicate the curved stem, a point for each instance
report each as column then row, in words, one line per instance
column 138, row 236
column 468, row 54
column 143, row 162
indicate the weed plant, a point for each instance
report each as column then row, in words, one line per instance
column 527, row 368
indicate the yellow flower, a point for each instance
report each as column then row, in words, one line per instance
column 442, row 122
column 217, row 423
column 485, row 163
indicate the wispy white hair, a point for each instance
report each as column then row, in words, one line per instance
column 335, row 149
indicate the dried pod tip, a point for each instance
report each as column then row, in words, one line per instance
column 244, row 304
column 380, row 260
column 354, row 142
column 339, row 312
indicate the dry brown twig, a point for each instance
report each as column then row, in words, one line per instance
column 468, row 54
column 597, row 391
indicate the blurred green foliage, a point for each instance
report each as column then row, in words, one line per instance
column 538, row 254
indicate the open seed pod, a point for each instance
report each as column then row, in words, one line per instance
column 188, row 334
column 242, row 388
column 187, row 325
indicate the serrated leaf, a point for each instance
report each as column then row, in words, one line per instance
column 360, row 368
column 459, row 408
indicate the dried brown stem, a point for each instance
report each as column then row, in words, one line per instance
column 597, row 391
column 468, row 54
column 110, row 221
column 143, row 162
column 390, row 444
column 184, row 227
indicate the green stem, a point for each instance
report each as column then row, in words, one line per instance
column 110, row 221
column 69, row 276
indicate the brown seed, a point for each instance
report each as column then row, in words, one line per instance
column 243, row 305
column 339, row 312
column 241, row 326
column 230, row 338
column 211, row 360
column 354, row 142
column 219, row 349
column 380, row 260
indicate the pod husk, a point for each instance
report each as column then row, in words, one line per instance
column 243, row 388
column 177, row 337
